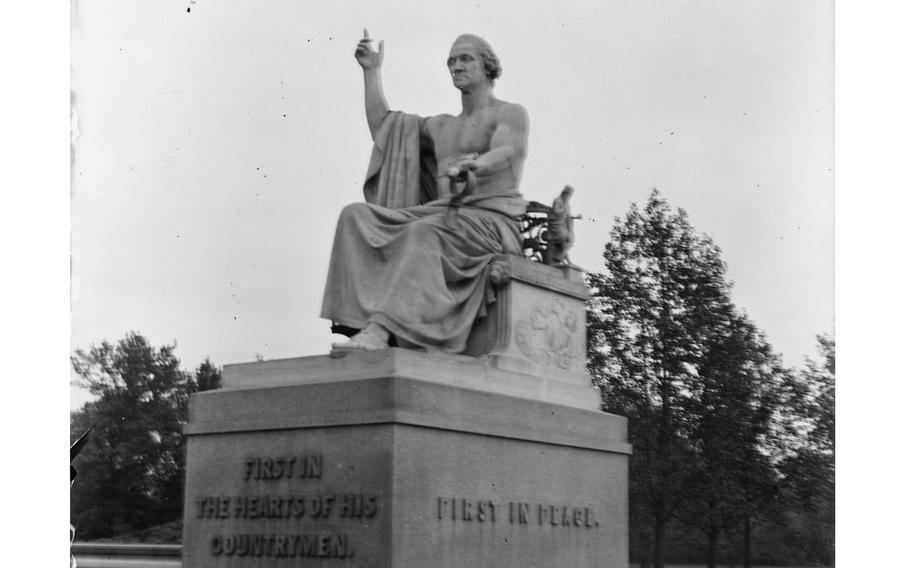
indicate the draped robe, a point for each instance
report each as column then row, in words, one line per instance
column 400, row 261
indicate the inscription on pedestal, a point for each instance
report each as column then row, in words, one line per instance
column 515, row 513
column 320, row 509
column 281, row 467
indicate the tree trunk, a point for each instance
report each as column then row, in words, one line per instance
column 713, row 533
column 747, row 543
column 646, row 549
column 659, row 543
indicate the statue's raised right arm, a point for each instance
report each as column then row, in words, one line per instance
column 374, row 97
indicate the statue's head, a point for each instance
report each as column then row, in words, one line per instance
column 491, row 65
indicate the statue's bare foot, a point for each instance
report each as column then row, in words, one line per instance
column 371, row 338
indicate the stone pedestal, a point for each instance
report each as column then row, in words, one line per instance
column 403, row 459
column 537, row 324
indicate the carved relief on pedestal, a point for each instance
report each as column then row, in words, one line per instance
column 551, row 335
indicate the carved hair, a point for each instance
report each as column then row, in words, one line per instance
column 491, row 64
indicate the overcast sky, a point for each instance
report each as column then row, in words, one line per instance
column 214, row 149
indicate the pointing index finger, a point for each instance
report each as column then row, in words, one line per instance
column 366, row 35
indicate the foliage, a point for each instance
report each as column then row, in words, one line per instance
column 740, row 400
column 208, row 377
column 708, row 401
column 809, row 470
column 651, row 321
column 130, row 473
column 168, row 533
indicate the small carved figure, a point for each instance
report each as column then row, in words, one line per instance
column 560, row 232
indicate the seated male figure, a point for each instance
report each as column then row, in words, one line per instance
column 418, row 272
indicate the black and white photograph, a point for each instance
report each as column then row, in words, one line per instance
column 418, row 285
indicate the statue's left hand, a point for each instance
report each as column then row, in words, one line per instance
column 460, row 167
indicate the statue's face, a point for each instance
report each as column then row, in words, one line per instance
column 465, row 66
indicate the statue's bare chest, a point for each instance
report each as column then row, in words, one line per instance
column 457, row 136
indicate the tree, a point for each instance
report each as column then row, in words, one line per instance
column 131, row 469
column 695, row 377
column 650, row 321
column 208, row 377
column 738, row 399
column 719, row 411
column 809, row 469
column 819, row 410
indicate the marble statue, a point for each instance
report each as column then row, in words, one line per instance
column 442, row 200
